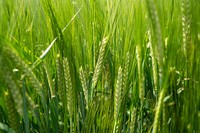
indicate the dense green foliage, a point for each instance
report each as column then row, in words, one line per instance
column 100, row 66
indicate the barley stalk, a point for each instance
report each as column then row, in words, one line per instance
column 164, row 117
column 50, row 82
column 158, row 111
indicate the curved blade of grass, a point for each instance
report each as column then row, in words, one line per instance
column 39, row 60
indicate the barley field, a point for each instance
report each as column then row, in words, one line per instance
column 99, row 66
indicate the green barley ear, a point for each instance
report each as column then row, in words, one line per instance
column 27, row 71
column 84, row 85
column 15, row 92
column 140, row 74
column 158, row 111
column 186, row 26
column 31, row 105
column 133, row 120
column 117, row 98
column 69, row 89
column 61, row 91
column 99, row 64
column 158, row 47
column 154, row 66
column 125, row 73
column 13, row 117
column 153, row 15
column 69, row 92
